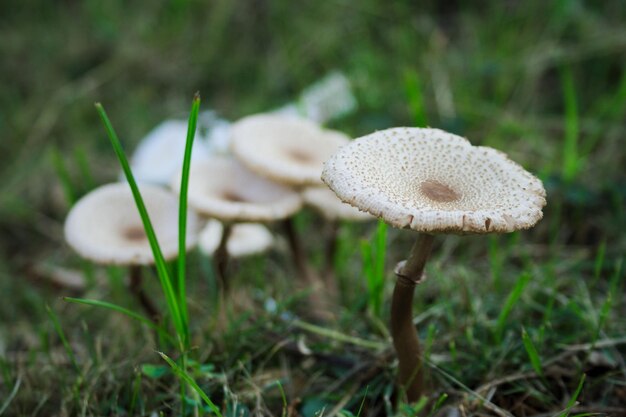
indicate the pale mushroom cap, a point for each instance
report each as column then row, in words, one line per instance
column 159, row 155
column 105, row 227
column 331, row 207
column 222, row 188
column 287, row 149
column 245, row 239
column 435, row 182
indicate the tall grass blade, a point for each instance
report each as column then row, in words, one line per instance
column 415, row 98
column 571, row 159
column 161, row 266
column 64, row 176
column 59, row 331
column 572, row 401
column 11, row 397
column 182, row 218
column 122, row 310
column 182, row 374
column 535, row 361
column 510, row 302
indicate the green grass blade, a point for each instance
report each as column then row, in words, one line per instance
column 161, row 266
column 535, row 361
column 182, row 217
column 11, row 396
column 415, row 97
column 64, row 176
column 84, row 168
column 120, row 309
column 59, row 330
column 192, row 383
column 510, row 302
column 571, row 160
column 572, row 401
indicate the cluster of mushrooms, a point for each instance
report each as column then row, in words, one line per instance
column 423, row 179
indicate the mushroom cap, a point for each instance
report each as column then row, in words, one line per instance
column 435, row 182
column 245, row 239
column 159, row 155
column 222, row 188
column 105, row 227
column 287, row 149
column 331, row 207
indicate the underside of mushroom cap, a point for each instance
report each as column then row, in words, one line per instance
column 105, row 227
column 435, row 182
column 245, row 239
column 287, row 149
column 331, row 207
column 222, row 188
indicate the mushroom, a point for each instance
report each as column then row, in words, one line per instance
column 292, row 151
column 104, row 226
column 159, row 155
column 222, row 188
column 432, row 182
column 245, row 239
column 286, row 149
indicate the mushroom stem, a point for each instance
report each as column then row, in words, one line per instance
column 329, row 259
column 319, row 305
column 296, row 249
column 136, row 289
column 405, row 340
column 221, row 257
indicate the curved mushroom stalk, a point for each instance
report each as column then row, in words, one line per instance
column 433, row 182
column 136, row 288
column 405, row 339
column 220, row 258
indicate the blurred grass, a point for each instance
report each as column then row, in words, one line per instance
column 524, row 77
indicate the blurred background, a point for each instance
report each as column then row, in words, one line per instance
column 543, row 81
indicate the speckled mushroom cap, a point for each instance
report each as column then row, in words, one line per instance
column 105, row 227
column 245, row 239
column 435, row 182
column 286, row 149
column 222, row 188
column 331, row 207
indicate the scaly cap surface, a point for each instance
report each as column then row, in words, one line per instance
column 435, row 182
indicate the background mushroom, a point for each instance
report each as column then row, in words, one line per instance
column 223, row 189
column 433, row 182
column 289, row 150
column 105, row 227
column 292, row 151
column 245, row 239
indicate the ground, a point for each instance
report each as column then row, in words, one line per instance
column 531, row 323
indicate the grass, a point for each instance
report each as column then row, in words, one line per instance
column 527, row 324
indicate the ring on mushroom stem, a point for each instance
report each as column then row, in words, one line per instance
column 432, row 182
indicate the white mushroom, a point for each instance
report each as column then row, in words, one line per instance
column 285, row 149
column 105, row 227
column 222, row 188
column 160, row 154
column 245, row 239
column 433, row 182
